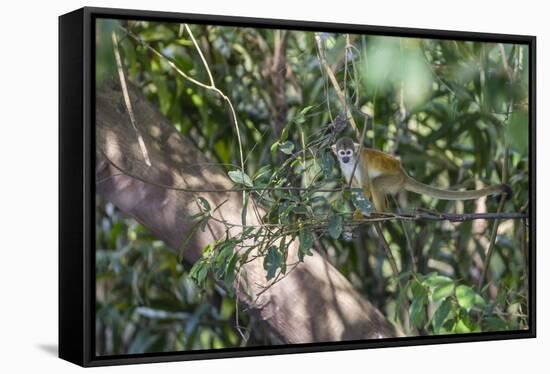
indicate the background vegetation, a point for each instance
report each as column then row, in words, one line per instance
column 450, row 110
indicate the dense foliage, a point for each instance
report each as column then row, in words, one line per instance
column 451, row 110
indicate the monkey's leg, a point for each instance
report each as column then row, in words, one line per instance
column 379, row 200
column 383, row 185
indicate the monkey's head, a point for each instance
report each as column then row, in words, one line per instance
column 345, row 149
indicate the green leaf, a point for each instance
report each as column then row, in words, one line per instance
column 301, row 118
column 434, row 280
column 222, row 256
column 466, row 297
column 420, row 299
column 335, row 226
column 284, row 133
column 304, row 111
column 441, row 314
column 479, row 301
column 263, row 172
column 496, row 324
column 462, row 326
column 230, row 271
column 416, row 311
column 418, row 290
column 204, row 203
column 306, row 242
column 272, row 261
column 443, row 291
column 327, row 163
column 361, row 202
column 239, row 177
column 441, row 286
column 198, row 272
column 286, row 147
column 274, row 147
column 517, row 132
column 300, row 209
column 402, row 296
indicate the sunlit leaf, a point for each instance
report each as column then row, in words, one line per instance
column 239, row 177
column 204, row 203
column 461, row 327
column 286, row 147
column 467, row 297
column 335, row 226
column 441, row 286
column 361, row 202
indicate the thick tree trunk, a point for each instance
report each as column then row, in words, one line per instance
column 313, row 303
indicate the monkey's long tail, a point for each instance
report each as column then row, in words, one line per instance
column 421, row 188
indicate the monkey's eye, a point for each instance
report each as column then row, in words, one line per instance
column 342, row 153
column 348, row 152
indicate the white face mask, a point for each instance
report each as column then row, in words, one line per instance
column 345, row 155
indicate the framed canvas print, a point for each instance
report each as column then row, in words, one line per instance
column 236, row 186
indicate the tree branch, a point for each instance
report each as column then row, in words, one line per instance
column 313, row 303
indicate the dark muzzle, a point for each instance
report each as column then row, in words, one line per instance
column 345, row 160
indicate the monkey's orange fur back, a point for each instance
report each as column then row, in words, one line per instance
column 381, row 161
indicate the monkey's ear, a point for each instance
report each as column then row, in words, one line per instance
column 333, row 147
column 356, row 147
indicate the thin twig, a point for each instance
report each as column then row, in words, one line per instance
column 233, row 113
column 212, row 84
column 505, row 65
column 211, row 87
column 407, row 238
column 388, row 251
column 358, row 156
column 280, row 276
column 99, row 181
column 127, row 100
column 337, row 88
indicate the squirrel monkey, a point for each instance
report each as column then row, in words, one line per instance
column 379, row 174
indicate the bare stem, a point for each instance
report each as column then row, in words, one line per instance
column 496, row 222
column 388, row 251
column 337, row 88
column 127, row 100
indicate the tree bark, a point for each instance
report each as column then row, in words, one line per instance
column 313, row 303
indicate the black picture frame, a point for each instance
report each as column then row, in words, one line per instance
column 77, row 191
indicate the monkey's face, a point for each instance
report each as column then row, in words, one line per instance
column 344, row 150
column 345, row 155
